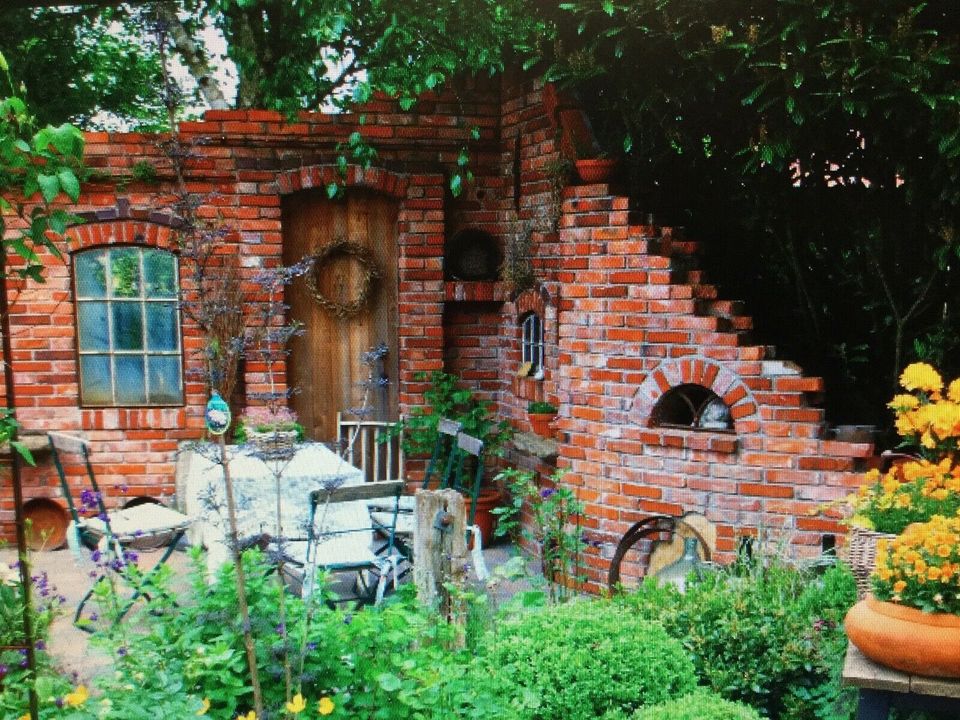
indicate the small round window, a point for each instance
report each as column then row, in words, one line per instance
column 692, row 406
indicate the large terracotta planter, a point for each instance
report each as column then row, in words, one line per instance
column 487, row 500
column 906, row 639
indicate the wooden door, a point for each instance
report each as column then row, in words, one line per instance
column 325, row 361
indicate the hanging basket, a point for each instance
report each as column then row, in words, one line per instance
column 273, row 444
column 862, row 556
column 369, row 272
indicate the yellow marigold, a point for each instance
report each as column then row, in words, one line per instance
column 204, row 707
column 903, row 402
column 909, row 423
column 899, row 585
column 249, row 716
column 953, row 390
column 921, row 376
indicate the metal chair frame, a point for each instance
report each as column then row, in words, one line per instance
column 74, row 445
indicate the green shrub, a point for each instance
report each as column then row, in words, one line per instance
column 771, row 637
column 700, row 705
column 584, row 659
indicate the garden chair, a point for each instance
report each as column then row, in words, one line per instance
column 446, row 444
column 340, row 540
column 114, row 534
column 371, row 446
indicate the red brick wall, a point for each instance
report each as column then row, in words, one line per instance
column 626, row 314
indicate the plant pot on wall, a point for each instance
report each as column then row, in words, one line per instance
column 595, row 170
column 905, row 638
column 541, row 415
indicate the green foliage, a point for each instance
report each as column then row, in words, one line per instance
column 538, row 406
column 446, row 398
column 767, row 636
column 697, row 706
column 555, row 527
column 582, row 659
column 830, row 146
column 144, row 171
column 83, row 65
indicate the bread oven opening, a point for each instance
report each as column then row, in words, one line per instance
column 692, row 406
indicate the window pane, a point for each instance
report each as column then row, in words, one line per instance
column 161, row 326
column 127, row 325
column 164, row 379
column 92, row 326
column 90, row 269
column 95, row 380
column 160, row 273
column 125, row 272
column 131, row 387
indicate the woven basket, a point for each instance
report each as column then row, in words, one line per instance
column 862, row 556
column 273, row 443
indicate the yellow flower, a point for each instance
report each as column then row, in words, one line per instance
column 297, row 705
column 325, row 706
column 899, row 586
column 249, row 716
column 953, row 391
column 204, row 706
column 903, row 403
column 26, row 716
column 76, row 698
column 921, row 376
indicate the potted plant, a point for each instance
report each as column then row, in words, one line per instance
column 446, row 398
column 270, row 430
column 918, row 488
column 541, row 414
column 912, row 623
column 592, row 164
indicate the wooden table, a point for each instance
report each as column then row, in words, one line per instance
column 882, row 689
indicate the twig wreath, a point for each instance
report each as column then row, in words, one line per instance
column 341, row 247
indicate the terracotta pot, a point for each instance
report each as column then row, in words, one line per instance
column 540, row 423
column 487, row 500
column 905, row 638
column 48, row 524
column 595, row 170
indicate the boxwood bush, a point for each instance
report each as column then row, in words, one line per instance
column 584, row 659
column 768, row 636
column 701, row 705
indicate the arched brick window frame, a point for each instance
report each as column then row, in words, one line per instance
column 535, row 301
column 696, row 371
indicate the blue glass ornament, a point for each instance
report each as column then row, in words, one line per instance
column 217, row 415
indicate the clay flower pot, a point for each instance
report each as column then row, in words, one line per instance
column 905, row 638
column 595, row 170
column 540, row 423
column 488, row 499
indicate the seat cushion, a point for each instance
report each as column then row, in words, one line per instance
column 149, row 523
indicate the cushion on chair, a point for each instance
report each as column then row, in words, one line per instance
column 150, row 524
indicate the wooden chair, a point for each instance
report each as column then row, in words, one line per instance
column 340, row 540
column 368, row 445
column 114, row 534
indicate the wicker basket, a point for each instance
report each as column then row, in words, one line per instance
column 862, row 556
column 273, row 444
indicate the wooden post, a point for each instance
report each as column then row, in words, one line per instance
column 440, row 553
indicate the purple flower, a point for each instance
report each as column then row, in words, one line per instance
column 40, row 645
column 281, row 629
column 3, row 671
column 122, row 651
column 59, row 702
column 546, row 492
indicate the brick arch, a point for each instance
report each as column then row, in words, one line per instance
column 697, row 371
column 532, row 300
column 158, row 232
column 319, row 176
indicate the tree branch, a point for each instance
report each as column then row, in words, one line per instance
column 193, row 56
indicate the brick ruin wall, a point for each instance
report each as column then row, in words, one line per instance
column 627, row 315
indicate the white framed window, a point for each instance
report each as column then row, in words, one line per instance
column 531, row 342
column 128, row 327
